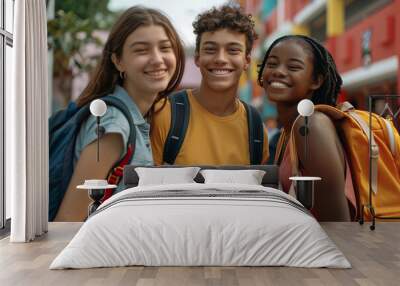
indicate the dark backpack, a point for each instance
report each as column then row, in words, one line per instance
column 180, row 114
column 64, row 127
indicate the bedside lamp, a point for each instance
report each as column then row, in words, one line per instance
column 305, row 109
column 305, row 185
column 98, row 108
column 96, row 188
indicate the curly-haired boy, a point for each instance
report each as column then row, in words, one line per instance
column 218, row 130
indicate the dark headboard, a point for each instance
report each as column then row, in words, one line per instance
column 270, row 179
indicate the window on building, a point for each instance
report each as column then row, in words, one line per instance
column 356, row 10
column 6, row 44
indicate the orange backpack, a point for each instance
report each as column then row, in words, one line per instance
column 353, row 129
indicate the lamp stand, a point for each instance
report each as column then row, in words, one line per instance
column 370, row 205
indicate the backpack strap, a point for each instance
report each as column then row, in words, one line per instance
column 256, row 134
column 281, row 146
column 294, row 159
column 118, row 103
column 116, row 171
column 349, row 109
column 391, row 135
column 180, row 114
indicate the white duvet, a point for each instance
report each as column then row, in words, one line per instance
column 201, row 224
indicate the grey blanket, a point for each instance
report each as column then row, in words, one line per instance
column 204, row 194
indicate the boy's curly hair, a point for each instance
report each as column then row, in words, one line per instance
column 226, row 17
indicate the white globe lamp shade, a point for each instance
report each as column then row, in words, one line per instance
column 305, row 107
column 98, row 107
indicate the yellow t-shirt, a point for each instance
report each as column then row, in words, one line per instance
column 209, row 139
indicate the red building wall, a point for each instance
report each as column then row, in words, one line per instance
column 250, row 6
column 384, row 24
column 271, row 23
column 293, row 7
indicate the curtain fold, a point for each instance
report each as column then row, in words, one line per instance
column 27, row 124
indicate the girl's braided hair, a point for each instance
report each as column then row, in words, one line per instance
column 324, row 66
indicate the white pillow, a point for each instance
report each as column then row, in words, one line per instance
column 165, row 176
column 248, row 177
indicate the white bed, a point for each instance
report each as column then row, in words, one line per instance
column 201, row 224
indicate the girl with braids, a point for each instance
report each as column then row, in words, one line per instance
column 142, row 61
column 294, row 68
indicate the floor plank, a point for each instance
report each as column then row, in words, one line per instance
column 374, row 255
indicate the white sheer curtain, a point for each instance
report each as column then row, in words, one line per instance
column 26, row 124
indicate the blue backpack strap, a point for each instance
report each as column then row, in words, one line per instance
column 180, row 114
column 256, row 134
column 112, row 100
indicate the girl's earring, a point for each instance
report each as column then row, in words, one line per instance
column 122, row 75
column 261, row 82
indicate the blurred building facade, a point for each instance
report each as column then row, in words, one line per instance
column 363, row 36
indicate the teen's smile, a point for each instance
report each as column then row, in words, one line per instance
column 220, row 71
column 157, row 74
column 278, row 84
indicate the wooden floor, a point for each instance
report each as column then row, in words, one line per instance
column 374, row 255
